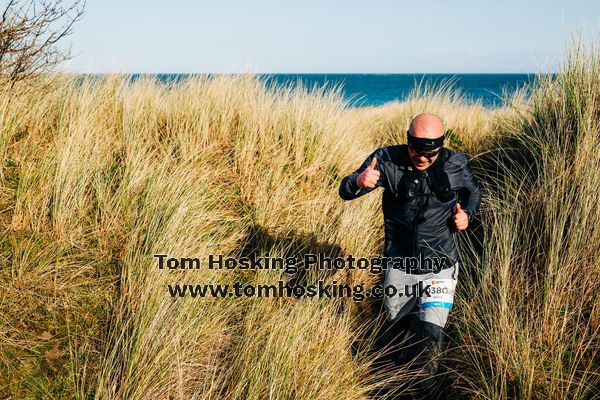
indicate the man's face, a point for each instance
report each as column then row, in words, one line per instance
column 425, row 131
column 423, row 159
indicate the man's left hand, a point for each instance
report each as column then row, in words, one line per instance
column 461, row 219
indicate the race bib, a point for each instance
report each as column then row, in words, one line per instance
column 441, row 293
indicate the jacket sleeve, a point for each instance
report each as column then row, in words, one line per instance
column 473, row 189
column 350, row 190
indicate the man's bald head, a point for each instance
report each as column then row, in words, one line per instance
column 425, row 140
column 428, row 126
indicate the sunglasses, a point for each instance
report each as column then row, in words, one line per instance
column 427, row 154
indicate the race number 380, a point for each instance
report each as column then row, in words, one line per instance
column 441, row 291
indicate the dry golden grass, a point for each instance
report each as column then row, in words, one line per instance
column 99, row 175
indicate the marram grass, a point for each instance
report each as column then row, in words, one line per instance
column 99, row 175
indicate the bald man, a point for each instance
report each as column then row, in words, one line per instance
column 430, row 193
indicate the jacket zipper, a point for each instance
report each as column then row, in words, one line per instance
column 417, row 218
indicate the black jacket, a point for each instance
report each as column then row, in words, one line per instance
column 422, row 227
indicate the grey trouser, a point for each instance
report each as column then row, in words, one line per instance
column 428, row 317
column 431, row 310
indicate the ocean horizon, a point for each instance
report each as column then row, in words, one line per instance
column 373, row 89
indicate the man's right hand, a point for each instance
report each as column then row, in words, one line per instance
column 369, row 177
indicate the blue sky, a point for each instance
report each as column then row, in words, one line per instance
column 328, row 36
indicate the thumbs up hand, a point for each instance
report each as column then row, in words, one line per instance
column 461, row 219
column 369, row 177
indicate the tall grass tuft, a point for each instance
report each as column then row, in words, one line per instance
column 529, row 329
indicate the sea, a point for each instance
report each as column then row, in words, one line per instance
column 364, row 90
